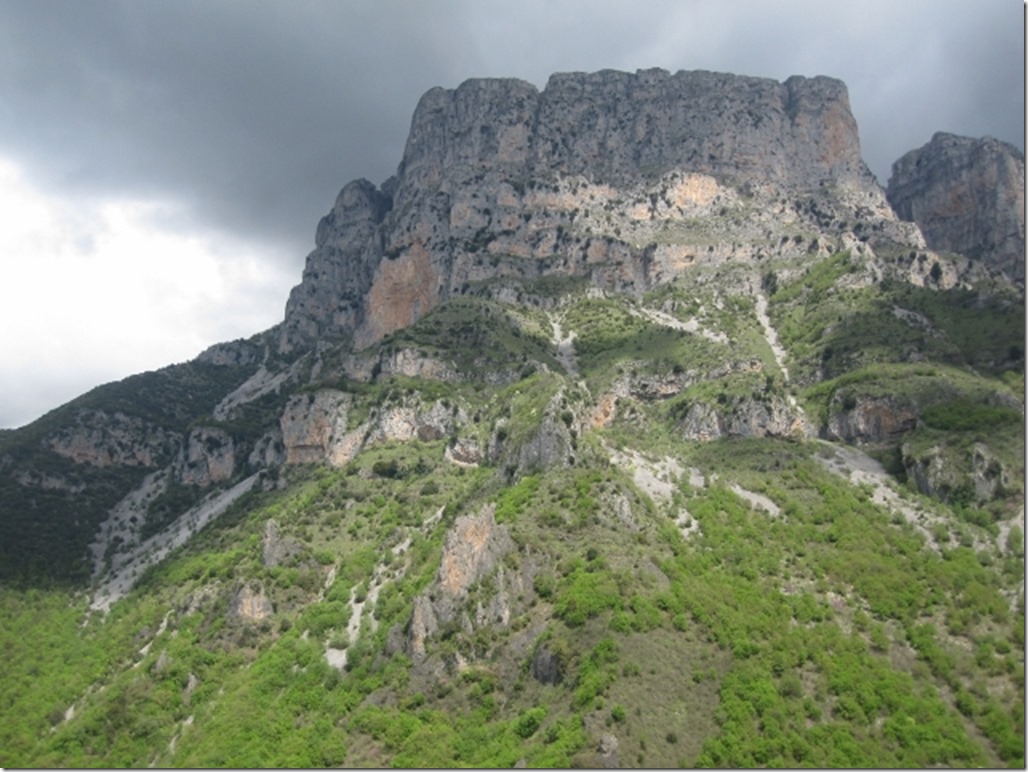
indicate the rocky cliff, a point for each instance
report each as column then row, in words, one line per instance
column 603, row 175
column 967, row 196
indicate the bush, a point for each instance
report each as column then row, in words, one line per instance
column 585, row 595
column 387, row 468
column 968, row 415
column 528, row 721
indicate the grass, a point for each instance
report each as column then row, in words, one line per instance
column 830, row 329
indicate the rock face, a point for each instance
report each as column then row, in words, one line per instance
column 276, row 549
column 313, row 425
column 250, row 603
column 208, row 457
column 501, row 180
column 967, row 196
column 474, row 549
column 101, row 439
column 746, row 417
column 977, row 477
column 871, row 420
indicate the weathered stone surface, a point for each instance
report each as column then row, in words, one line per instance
column 312, row 424
column 611, row 124
column 870, row 419
column 967, row 196
column 954, row 475
column 103, row 439
column 608, row 750
column 474, row 547
column 207, row 458
column 339, row 271
column 314, row 427
column 500, row 181
column 236, row 353
column 465, row 452
column 268, row 451
column 743, row 417
column 250, row 603
column 408, row 362
column 275, row 548
column 546, row 667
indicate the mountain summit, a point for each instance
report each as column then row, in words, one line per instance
column 628, row 424
column 967, row 196
column 499, row 179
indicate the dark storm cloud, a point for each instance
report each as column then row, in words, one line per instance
column 256, row 113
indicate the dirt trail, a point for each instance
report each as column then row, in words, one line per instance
column 666, row 320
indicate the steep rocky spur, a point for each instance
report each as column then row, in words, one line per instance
column 967, row 196
column 625, row 179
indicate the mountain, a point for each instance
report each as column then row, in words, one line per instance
column 967, row 196
column 631, row 423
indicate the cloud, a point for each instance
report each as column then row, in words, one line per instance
column 117, row 293
column 259, row 113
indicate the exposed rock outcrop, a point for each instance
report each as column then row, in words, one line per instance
column 275, row 548
column 975, row 476
column 207, row 458
column 104, row 439
column 549, row 446
column 967, row 196
column 250, row 603
column 474, row 549
column 236, row 353
column 608, row 751
column 546, row 666
column 743, row 417
column 859, row 420
column 313, row 425
column 602, row 176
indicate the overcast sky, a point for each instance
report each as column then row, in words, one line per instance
column 164, row 163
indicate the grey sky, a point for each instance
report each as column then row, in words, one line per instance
column 252, row 115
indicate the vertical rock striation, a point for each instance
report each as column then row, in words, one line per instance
column 501, row 180
column 967, row 196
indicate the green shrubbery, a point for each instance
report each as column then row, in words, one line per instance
column 964, row 415
column 830, row 634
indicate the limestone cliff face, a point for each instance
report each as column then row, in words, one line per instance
column 474, row 549
column 624, row 179
column 870, row 420
column 208, row 457
column 967, row 196
column 105, row 439
column 314, row 426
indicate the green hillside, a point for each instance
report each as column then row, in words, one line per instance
column 639, row 539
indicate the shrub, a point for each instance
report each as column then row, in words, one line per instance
column 387, row 468
column 528, row 721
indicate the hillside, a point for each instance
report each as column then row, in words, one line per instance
column 627, row 425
